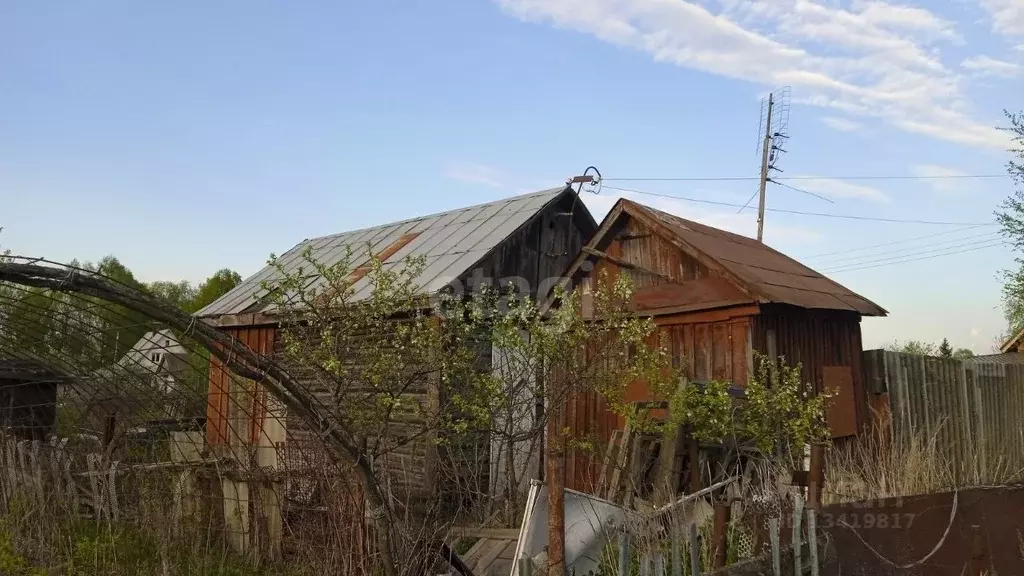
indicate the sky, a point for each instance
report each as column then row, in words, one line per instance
column 186, row 137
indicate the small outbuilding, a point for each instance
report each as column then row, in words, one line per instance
column 719, row 297
column 28, row 398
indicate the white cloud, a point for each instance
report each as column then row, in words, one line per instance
column 991, row 67
column 841, row 124
column 874, row 60
column 473, row 173
column 1007, row 16
column 905, row 18
column 940, row 178
column 841, row 189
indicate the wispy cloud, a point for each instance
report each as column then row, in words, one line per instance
column 875, row 59
column 1007, row 16
column 940, row 178
column 905, row 17
column 473, row 173
column 841, row 124
column 991, row 67
column 840, row 189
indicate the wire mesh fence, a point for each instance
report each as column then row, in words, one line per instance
column 107, row 461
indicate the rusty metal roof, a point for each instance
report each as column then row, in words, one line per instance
column 767, row 275
column 452, row 242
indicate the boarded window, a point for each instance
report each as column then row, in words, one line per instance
column 842, row 410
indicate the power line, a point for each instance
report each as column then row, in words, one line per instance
column 808, row 192
column 755, row 178
column 912, row 250
column 915, row 258
column 784, row 211
column 749, row 200
column 903, row 241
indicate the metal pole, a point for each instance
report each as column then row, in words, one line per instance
column 765, row 149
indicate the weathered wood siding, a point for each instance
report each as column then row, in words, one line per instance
column 534, row 257
column 220, row 409
column 704, row 346
column 827, row 345
column 701, row 316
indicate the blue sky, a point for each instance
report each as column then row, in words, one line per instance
column 184, row 137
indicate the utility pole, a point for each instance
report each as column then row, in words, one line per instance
column 766, row 147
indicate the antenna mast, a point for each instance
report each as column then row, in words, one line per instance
column 774, row 113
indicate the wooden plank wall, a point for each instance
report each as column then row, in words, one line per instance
column 967, row 411
column 815, row 339
column 703, row 350
column 259, row 339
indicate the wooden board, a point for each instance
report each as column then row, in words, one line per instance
column 842, row 410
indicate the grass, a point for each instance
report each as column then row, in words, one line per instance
column 875, row 466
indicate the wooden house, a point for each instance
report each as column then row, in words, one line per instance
column 528, row 240
column 719, row 297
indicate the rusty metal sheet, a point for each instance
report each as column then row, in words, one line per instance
column 772, row 276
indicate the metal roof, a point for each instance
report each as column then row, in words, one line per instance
column 769, row 275
column 452, row 242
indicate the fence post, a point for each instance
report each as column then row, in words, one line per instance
column 798, row 513
column 659, row 564
column 92, row 463
column 773, row 533
column 677, row 548
column 719, row 538
column 114, row 512
column 694, row 550
column 624, row 552
column 35, row 458
column 645, row 564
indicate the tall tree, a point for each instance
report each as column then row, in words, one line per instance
column 1010, row 216
column 212, row 288
column 945, row 350
column 177, row 294
column 919, row 347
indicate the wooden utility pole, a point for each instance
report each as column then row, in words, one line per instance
column 554, row 461
column 766, row 146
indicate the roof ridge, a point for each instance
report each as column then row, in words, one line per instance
column 439, row 213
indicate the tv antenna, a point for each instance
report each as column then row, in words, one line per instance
column 772, row 134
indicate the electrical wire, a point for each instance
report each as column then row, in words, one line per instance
column 784, row 211
column 852, row 260
column 749, row 200
column 851, row 269
column 808, row 192
column 751, row 178
column 903, row 241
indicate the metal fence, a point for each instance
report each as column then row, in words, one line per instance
column 970, row 409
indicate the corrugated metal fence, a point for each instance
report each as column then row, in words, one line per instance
column 971, row 408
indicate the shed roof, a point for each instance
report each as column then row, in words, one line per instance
column 764, row 274
column 452, row 243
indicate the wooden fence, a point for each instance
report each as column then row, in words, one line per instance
column 971, row 409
